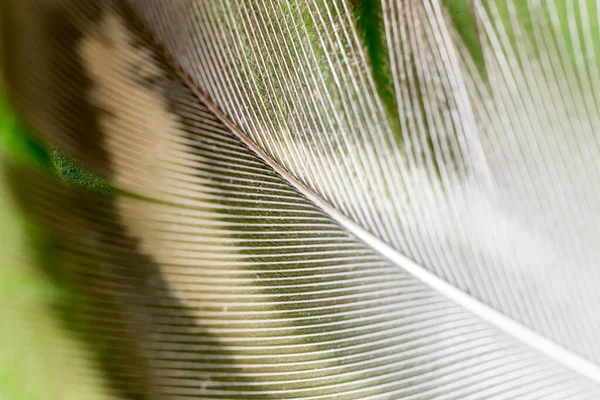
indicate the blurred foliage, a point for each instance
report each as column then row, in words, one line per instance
column 37, row 355
column 75, row 174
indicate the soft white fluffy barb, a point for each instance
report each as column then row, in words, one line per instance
column 484, row 172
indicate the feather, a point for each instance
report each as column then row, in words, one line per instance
column 320, row 199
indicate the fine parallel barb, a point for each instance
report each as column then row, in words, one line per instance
column 312, row 199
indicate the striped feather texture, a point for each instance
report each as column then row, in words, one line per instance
column 319, row 199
